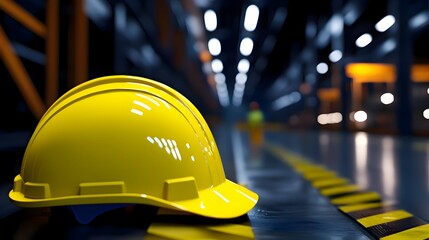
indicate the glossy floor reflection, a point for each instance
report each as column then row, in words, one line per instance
column 395, row 167
column 288, row 208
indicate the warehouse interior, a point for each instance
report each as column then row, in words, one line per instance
column 321, row 108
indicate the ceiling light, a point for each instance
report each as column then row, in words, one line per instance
column 214, row 47
column 385, row 23
column 241, row 78
column 335, row 56
column 210, row 20
column 364, row 40
column 219, row 78
column 360, row 116
column 243, row 66
column 322, row 68
column 251, row 18
column 426, row 113
column 387, row 98
column 246, row 46
column 217, row 66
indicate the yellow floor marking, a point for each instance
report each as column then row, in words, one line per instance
column 339, row 190
column 329, row 182
column 358, row 207
column 319, row 174
column 356, row 198
column 383, row 218
column 420, row 232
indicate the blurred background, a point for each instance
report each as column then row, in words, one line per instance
column 327, row 64
column 338, row 71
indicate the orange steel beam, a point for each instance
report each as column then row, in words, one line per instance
column 24, row 17
column 20, row 76
column 80, row 43
column 384, row 73
column 51, row 86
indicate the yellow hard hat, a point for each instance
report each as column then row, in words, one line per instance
column 124, row 139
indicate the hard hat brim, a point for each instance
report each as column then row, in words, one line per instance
column 227, row 200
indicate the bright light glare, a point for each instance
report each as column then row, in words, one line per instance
column 428, row 90
column 360, row 116
column 210, row 20
column 219, row 78
column 335, row 56
column 251, row 18
column 214, row 47
column 322, row 68
column 241, row 78
column 322, row 119
column 222, row 92
column 387, row 98
column 243, row 66
column 385, row 23
column 217, row 66
column 426, row 113
column 364, row 40
column 246, row 46
column 330, row 118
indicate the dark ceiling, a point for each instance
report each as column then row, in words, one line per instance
column 156, row 39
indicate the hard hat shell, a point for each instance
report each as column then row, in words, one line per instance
column 125, row 139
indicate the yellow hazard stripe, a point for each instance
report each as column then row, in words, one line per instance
column 339, row 190
column 356, row 198
column 318, row 174
column 179, row 232
column 391, row 225
column 358, row 207
column 384, row 218
column 420, row 232
column 330, row 182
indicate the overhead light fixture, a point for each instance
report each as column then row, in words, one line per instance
column 219, row 78
column 241, row 78
column 251, row 18
column 239, row 87
column 222, row 93
column 330, row 118
column 322, row 68
column 335, row 56
column 364, row 40
column 387, row 98
column 214, row 46
column 385, row 23
column 246, row 46
column 243, row 65
column 360, row 116
column 210, row 20
column 217, row 66
column 426, row 113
